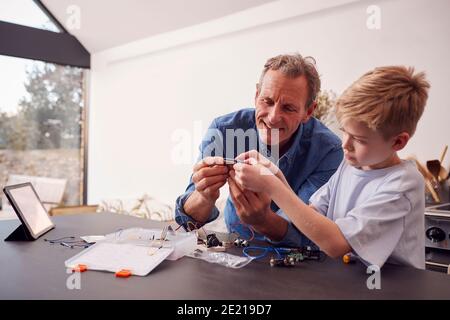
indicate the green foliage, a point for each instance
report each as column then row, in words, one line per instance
column 49, row 116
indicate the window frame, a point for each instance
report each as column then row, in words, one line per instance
column 53, row 47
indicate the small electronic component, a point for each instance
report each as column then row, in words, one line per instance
column 241, row 242
column 282, row 262
column 296, row 257
column 291, row 256
column 349, row 258
column 212, row 241
column 306, row 253
column 230, row 161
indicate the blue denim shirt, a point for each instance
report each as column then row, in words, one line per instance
column 311, row 160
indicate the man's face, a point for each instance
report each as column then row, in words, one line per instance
column 364, row 147
column 280, row 104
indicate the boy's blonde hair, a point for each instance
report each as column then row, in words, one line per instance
column 387, row 99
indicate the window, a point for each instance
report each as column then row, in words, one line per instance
column 42, row 108
column 27, row 13
column 41, row 123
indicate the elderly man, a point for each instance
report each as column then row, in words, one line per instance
column 280, row 126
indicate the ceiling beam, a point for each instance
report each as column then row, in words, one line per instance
column 31, row 43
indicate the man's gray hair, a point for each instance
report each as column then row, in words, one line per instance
column 293, row 66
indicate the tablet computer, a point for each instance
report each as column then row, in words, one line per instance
column 29, row 208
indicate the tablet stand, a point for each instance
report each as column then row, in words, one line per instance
column 20, row 234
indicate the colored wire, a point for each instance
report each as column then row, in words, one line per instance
column 72, row 243
column 189, row 228
column 264, row 252
column 59, row 239
column 239, row 223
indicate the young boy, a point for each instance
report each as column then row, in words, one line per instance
column 373, row 206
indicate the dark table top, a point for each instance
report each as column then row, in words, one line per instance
column 35, row 270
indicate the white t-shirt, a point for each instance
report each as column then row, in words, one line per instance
column 380, row 212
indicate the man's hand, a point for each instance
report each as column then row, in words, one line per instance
column 209, row 175
column 252, row 208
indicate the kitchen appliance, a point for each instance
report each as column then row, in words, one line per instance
column 437, row 226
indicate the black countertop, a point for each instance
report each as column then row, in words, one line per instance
column 35, row 270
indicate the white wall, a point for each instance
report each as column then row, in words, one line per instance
column 142, row 93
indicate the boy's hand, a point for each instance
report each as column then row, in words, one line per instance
column 252, row 177
column 256, row 173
